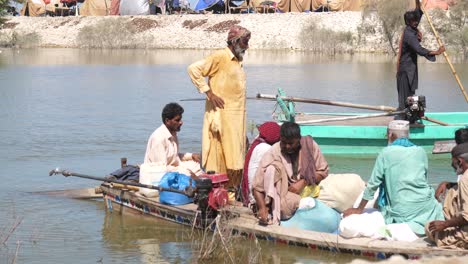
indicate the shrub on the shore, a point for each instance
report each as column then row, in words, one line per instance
column 19, row 40
column 324, row 40
column 109, row 33
column 390, row 16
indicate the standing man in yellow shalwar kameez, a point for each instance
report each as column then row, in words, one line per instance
column 224, row 124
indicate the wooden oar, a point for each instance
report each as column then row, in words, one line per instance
column 188, row 191
column 326, row 102
column 443, row 146
column 445, row 54
column 349, row 118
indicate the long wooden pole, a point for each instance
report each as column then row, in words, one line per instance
column 391, row 110
column 189, row 192
column 327, row 102
column 345, row 118
column 445, row 54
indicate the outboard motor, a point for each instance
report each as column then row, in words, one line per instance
column 415, row 106
column 211, row 194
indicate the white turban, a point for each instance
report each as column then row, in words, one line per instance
column 398, row 125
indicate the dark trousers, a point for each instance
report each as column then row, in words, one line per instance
column 404, row 89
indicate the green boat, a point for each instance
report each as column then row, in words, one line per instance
column 364, row 133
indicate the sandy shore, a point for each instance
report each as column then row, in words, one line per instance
column 269, row 31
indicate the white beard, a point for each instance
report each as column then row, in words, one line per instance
column 239, row 52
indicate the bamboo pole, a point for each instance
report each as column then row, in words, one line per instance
column 345, row 118
column 445, row 54
column 327, row 102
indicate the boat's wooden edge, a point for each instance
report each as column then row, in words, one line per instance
column 243, row 222
column 250, row 225
column 443, row 146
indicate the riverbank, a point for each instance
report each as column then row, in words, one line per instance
column 328, row 31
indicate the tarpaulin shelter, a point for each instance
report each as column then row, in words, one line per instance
column 95, row 8
column 134, row 7
column 432, row 4
column 314, row 5
column 198, row 5
column 115, row 8
column 33, row 8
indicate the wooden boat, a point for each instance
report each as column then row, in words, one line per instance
column 242, row 222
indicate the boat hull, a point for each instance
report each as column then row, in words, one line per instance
column 242, row 222
column 369, row 136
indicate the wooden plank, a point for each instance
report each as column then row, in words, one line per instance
column 443, row 146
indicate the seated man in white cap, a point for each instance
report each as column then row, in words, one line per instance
column 400, row 172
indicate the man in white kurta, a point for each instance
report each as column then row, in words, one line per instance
column 163, row 145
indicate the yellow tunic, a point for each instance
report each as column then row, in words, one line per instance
column 223, row 136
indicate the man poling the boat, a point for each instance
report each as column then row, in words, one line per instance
column 410, row 48
column 453, row 232
column 224, row 124
column 400, row 172
column 284, row 171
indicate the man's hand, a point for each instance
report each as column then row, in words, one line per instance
column 217, row 101
column 440, row 190
column 441, row 50
column 351, row 211
column 297, row 187
column 196, row 157
column 437, row 226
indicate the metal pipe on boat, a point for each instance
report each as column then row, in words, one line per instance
column 189, row 191
column 349, row 118
column 327, row 102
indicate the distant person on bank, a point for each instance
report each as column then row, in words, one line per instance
column 284, row 171
column 453, row 232
column 224, row 124
column 410, row 48
column 163, row 144
column 400, row 172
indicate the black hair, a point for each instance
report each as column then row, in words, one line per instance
column 461, row 136
column 411, row 16
column 171, row 110
column 290, row 130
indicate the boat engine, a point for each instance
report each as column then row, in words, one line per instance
column 415, row 106
column 211, row 192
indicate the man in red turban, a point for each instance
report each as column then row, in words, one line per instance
column 269, row 134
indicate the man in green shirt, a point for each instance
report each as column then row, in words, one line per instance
column 400, row 172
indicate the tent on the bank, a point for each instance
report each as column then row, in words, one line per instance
column 134, row 7
column 432, row 4
column 33, row 8
column 316, row 5
column 115, row 8
column 95, row 8
column 198, row 5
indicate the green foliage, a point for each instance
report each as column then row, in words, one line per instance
column 325, row 40
column 19, row 40
column 108, row 33
column 390, row 16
